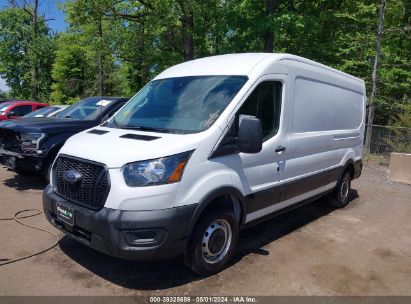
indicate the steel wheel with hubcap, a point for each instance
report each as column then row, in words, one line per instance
column 216, row 241
column 213, row 243
column 341, row 194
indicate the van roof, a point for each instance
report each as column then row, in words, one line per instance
column 236, row 64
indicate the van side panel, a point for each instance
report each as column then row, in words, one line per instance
column 324, row 122
column 325, row 131
column 320, row 106
column 327, row 121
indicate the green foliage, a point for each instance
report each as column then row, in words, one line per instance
column 2, row 95
column 84, row 52
column 395, row 71
column 400, row 141
column 21, row 51
column 117, row 46
column 72, row 71
column 404, row 117
column 14, row 64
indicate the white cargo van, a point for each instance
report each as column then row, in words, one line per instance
column 205, row 149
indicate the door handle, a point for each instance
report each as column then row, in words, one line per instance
column 280, row 149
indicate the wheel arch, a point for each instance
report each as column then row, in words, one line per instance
column 54, row 143
column 53, row 151
column 230, row 194
column 349, row 167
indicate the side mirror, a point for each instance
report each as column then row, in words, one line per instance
column 10, row 114
column 249, row 138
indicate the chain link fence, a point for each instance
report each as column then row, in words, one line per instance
column 387, row 139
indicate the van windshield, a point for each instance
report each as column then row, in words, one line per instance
column 179, row 105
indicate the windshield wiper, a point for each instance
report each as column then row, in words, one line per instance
column 114, row 121
column 144, row 128
column 69, row 116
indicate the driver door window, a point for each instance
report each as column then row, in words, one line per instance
column 265, row 104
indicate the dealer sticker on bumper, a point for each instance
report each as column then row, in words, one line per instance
column 65, row 214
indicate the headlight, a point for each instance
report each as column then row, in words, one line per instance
column 159, row 171
column 31, row 141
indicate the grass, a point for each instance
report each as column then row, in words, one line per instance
column 376, row 159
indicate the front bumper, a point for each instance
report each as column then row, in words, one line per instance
column 30, row 162
column 135, row 235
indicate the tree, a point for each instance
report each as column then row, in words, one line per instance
column 394, row 72
column 39, row 46
column 88, row 22
column 72, row 72
column 113, row 47
column 2, row 94
column 87, row 17
column 25, row 58
column 374, row 75
column 269, row 34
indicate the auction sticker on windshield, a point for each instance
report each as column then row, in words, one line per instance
column 103, row 103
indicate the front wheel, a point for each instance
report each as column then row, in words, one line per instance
column 45, row 172
column 341, row 193
column 213, row 243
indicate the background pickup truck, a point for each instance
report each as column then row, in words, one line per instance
column 31, row 145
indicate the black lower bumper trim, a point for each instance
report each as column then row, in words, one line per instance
column 135, row 235
column 22, row 162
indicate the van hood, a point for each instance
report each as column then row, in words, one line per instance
column 117, row 147
column 47, row 125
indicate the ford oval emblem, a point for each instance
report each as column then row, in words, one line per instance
column 73, row 176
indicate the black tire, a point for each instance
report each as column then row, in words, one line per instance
column 48, row 163
column 23, row 172
column 195, row 256
column 45, row 171
column 341, row 194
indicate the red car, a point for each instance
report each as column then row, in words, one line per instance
column 16, row 109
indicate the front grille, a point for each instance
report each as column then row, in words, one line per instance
column 9, row 140
column 91, row 191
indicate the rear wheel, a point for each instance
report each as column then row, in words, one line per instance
column 213, row 243
column 341, row 193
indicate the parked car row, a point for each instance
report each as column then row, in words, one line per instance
column 46, row 111
column 205, row 149
column 17, row 109
column 30, row 144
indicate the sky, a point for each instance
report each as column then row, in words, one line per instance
column 51, row 11
column 3, row 86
